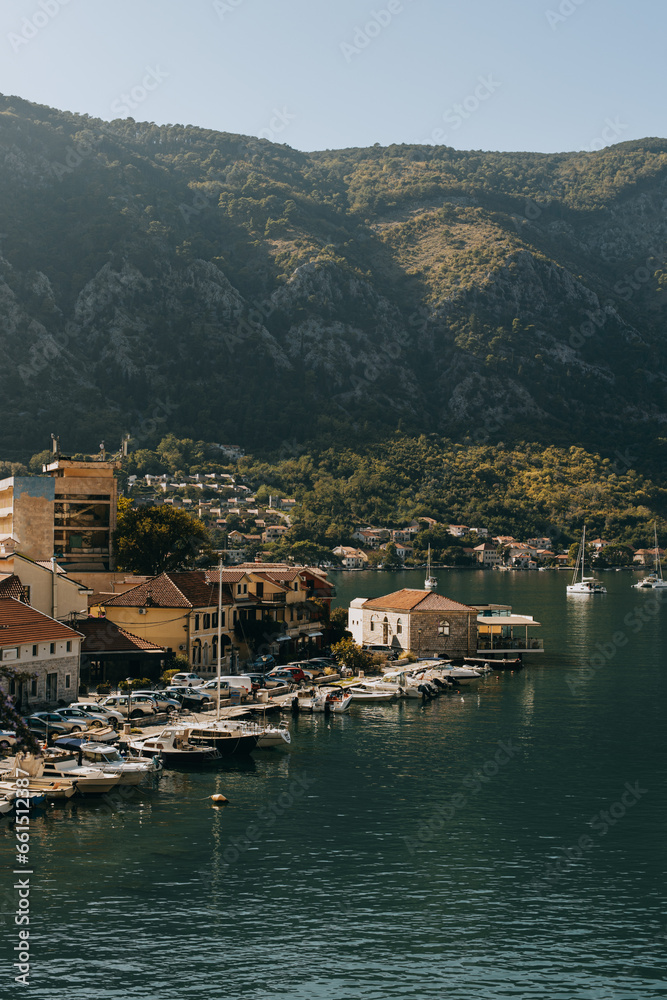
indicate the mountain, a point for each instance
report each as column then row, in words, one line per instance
column 169, row 278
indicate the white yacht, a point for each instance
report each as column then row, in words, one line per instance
column 654, row 580
column 431, row 582
column 582, row 584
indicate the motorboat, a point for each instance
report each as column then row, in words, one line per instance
column 232, row 741
column 173, row 746
column 328, row 700
column 31, row 767
column 654, row 580
column 109, row 760
column 431, row 582
column 371, row 694
column 266, row 737
column 10, row 792
column 582, row 584
column 88, row 780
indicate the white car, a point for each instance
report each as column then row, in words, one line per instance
column 98, row 709
column 7, row 739
column 186, row 680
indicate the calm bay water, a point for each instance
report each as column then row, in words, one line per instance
column 455, row 849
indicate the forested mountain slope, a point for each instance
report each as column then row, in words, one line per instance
column 169, row 278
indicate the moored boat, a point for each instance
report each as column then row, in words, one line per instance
column 173, row 746
column 586, row 585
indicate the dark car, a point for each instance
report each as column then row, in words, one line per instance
column 266, row 662
column 42, row 728
column 188, row 697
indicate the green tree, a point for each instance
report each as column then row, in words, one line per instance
column 392, row 560
column 150, row 540
column 351, row 655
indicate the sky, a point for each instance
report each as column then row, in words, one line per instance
column 542, row 75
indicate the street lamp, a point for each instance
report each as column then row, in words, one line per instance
column 129, row 698
column 419, row 643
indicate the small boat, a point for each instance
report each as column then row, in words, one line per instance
column 431, row 582
column 587, row 584
column 39, row 790
column 7, row 802
column 264, row 736
column 369, row 693
column 654, row 580
column 31, row 767
column 10, row 793
column 108, row 759
column 327, row 700
column 88, row 780
column 173, row 746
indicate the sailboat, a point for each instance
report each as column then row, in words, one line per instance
column 431, row 582
column 585, row 584
column 654, row 580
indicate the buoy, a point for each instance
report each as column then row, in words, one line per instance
column 219, row 800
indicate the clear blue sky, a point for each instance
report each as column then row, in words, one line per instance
column 544, row 75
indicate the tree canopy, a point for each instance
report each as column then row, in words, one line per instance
column 152, row 540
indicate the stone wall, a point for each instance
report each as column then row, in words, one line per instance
column 40, row 668
column 462, row 638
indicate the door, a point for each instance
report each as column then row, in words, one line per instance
column 52, row 687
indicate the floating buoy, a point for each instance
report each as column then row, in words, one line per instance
column 219, row 800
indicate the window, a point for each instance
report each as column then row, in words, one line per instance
column 196, row 623
column 372, row 625
column 214, row 620
column 235, row 616
column 443, row 628
column 245, row 588
column 69, row 646
column 222, row 620
column 52, row 648
column 399, row 627
column 33, row 689
column 207, row 620
column 35, row 650
column 12, row 687
column 238, row 588
column 68, row 680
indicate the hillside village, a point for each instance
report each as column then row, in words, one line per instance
column 244, row 528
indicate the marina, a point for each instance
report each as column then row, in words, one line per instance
column 446, row 818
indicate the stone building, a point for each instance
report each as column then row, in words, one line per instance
column 417, row 620
column 44, row 654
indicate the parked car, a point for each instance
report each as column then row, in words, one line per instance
column 190, row 697
column 82, row 719
column 137, row 708
column 43, row 729
column 186, row 680
column 71, row 725
column 387, row 651
column 265, row 662
column 161, row 699
column 110, row 714
column 292, row 670
column 7, row 739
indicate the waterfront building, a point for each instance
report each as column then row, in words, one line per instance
column 45, row 650
column 417, row 620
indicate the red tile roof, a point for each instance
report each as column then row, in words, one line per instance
column 101, row 634
column 188, row 589
column 11, row 586
column 416, row 600
column 19, row 623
